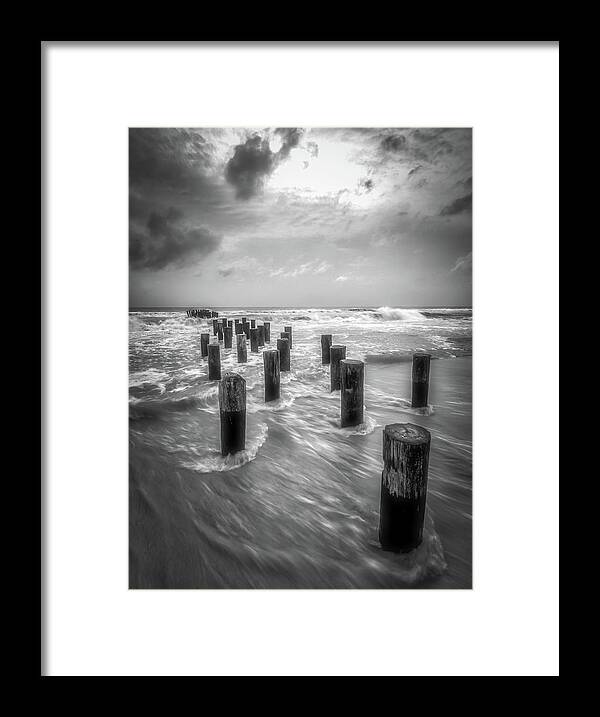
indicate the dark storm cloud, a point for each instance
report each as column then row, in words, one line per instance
column 167, row 240
column 254, row 161
column 393, row 142
column 430, row 146
column 168, row 157
column 251, row 164
column 462, row 204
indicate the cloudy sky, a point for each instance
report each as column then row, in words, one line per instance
column 300, row 217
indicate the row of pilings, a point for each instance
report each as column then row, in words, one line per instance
column 406, row 446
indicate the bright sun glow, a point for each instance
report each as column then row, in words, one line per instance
column 330, row 172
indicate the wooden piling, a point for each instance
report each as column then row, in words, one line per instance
column 227, row 336
column 246, row 326
column 204, row 341
column 220, row 331
column 232, row 409
column 326, row 340
column 283, row 346
column 254, row 341
column 214, row 362
column 242, row 351
column 403, row 486
column 252, row 323
column 267, row 325
column 215, row 323
column 352, row 386
column 337, row 353
column 261, row 335
column 288, row 330
column 271, row 365
column 420, row 379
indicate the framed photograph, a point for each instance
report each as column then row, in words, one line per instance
column 281, row 387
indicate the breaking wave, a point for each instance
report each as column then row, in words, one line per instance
column 387, row 313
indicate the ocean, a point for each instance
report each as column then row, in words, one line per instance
column 299, row 508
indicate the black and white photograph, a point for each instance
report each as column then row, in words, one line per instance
column 300, row 332
column 300, row 341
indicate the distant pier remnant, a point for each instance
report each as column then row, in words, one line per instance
column 283, row 346
column 420, row 379
column 201, row 313
column 352, row 386
column 261, row 335
column 337, row 353
column 232, row 408
column 271, row 364
column 403, row 486
column 254, row 341
column 204, row 341
column 288, row 330
column 227, row 334
column 252, row 323
column 326, row 340
column 215, row 323
column 242, row 351
column 214, row 362
column 267, row 325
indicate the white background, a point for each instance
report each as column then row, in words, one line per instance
column 508, row 623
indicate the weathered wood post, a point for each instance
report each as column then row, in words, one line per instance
column 215, row 323
column 326, row 340
column 403, row 486
column 288, row 330
column 261, row 335
column 236, row 327
column 337, row 353
column 220, row 331
column 242, row 351
column 214, row 362
column 283, row 346
column 244, row 319
column 420, row 379
column 246, row 326
column 204, row 341
column 271, row 364
column 254, row 341
column 227, row 335
column 232, row 407
column 352, row 385
column 252, row 323
column 267, row 325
